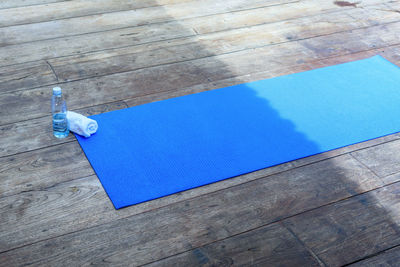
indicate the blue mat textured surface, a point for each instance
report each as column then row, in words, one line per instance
column 153, row 150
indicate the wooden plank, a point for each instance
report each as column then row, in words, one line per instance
column 42, row 140
column 79, row 8
column 131, row 18
column 384, row 160
column 232, row 210
column 42, row 168
column 60, row 159
column 184, row 49
column 169, row 77
column 70, row 9
column 33, row 136
column 90, row 42
column 324, row 46
column 37, row 133
column 245, row 62
column 181, row 77
column 329, row 46
column 98, row 91
column 139, row 35
column 352, row 229
column 388, row 52
column 388, row 258
column 131, row 58
column 26, row 185
column 104, row 63
column 27, row 75
column 44, row 213
column 302, row 64
column 287, row 12
column 177, row 76
column 268, row 246
column 20, row 3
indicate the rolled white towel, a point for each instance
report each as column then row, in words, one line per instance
column 80, row 124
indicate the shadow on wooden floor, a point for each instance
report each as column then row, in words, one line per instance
column 305, row 213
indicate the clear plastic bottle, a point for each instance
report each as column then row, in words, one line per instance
column 59, row 112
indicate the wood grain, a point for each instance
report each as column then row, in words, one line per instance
column 208, row 45
column 76, row 45
column 42, row 138
column 32, row 130
column 150, row 33
column 71, row 9
column 123, row 19
column 388, row 258
column 383, row 160
column 20, row 3
column 108, row 55
column 164, row 78
column 42, row 168
column 300, row 64
column 204, row 219
column 27, row 75
column 285, row 13
column 352, row 229
column 268, row 246
column 34, row 134
column 132, row 58
column 98, row 91
column 50, row 161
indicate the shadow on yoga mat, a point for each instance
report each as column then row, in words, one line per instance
column 153, row 150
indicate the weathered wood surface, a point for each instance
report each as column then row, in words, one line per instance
column 242, row 62
column 57, row 10
column 208, row 218
column 25, row 76
column 248, row 249
column 383, row 160
column 335, row 208
column 116, row 20
column 163, row 31
column 349, row 230
column 44, row 166
column 169, row 77
column 388, row 258
column 4, row 4
column 12, row 135
column 266, row 37
column 43, row 169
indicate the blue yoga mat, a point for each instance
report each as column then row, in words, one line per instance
column 153, row 150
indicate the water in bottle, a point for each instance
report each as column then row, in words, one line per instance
column 59, row 112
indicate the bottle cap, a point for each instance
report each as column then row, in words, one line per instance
column 57, row 91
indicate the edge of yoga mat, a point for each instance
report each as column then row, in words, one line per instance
column 118, row 203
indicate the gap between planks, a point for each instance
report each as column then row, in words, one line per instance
column 221, row 239
column 329, row 11
column 87, row 14
column 195, row 58
column 166, row 19
column 237, row 50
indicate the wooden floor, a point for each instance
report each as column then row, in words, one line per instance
column 337, row 208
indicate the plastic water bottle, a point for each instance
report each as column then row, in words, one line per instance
column 59, row 112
